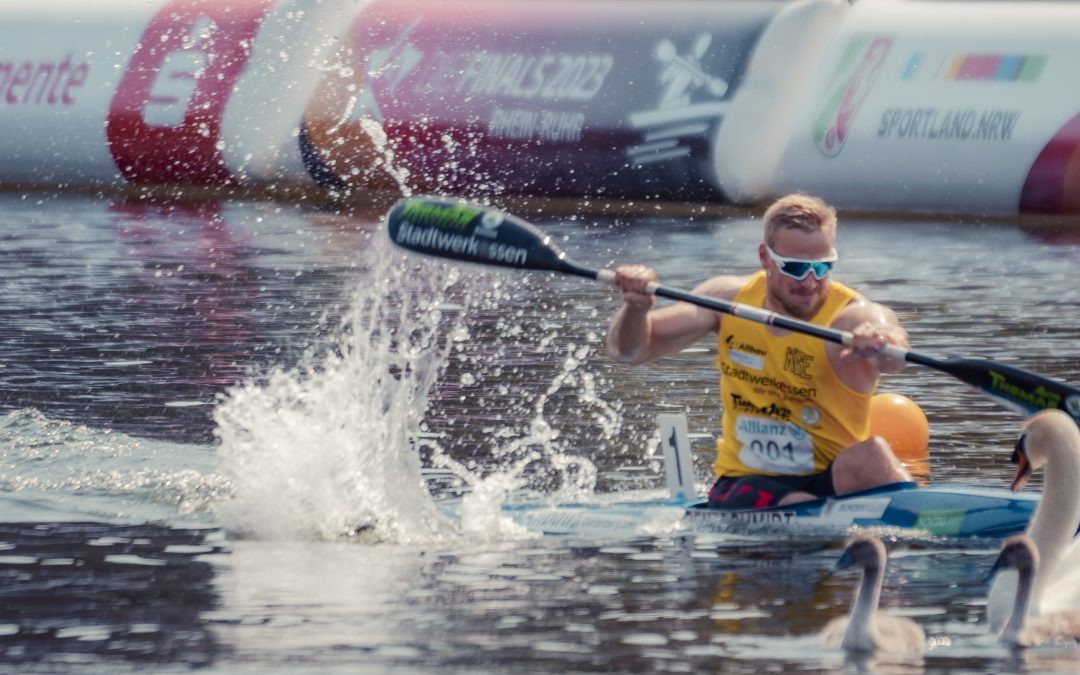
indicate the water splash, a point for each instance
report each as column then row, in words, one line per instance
column 327, row 449
column 339, row 445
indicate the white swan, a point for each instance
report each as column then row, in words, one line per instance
column 865, row 629
column 1051, row 439
column 1019, row 553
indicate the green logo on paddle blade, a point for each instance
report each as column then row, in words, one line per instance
column 1036, row 399
column 440, row 216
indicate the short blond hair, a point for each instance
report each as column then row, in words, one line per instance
column 798, row 211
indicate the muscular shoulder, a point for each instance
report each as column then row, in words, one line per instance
column 861, row 310
column 724, row 287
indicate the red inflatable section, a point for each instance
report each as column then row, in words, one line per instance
column 165, row 118
column 1053, row 183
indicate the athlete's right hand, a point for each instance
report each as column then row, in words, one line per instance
column 632, row 280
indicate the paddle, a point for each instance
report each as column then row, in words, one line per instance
column 450, row 228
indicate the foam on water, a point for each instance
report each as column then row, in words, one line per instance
column 59, row 470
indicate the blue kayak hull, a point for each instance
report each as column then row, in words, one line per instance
column 948, row 509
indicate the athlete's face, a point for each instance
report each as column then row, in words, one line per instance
column 797, row 298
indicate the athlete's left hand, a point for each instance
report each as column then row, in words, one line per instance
column 867, row 341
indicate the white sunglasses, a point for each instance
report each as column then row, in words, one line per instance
column 800, row 268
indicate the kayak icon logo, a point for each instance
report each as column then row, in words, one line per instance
column 851, row 84
column 677, row 119
column 166, row 115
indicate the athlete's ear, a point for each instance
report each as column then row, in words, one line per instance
column 763, row 256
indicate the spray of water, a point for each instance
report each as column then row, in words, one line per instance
column 332, row 448
column 326, row 449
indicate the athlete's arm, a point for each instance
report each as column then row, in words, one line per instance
column 872, row 326
column 639, row 334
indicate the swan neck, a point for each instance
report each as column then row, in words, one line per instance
column 861, row 621
column 1021, row 607
column 1056, row 518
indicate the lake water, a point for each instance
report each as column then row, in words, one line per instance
column 206, row 405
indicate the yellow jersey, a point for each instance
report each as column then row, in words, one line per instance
column 785, row 410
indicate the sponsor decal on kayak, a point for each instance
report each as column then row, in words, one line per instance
column 851, row 84
column 165, row 119
column 944, row 521
column 846, row 511
column 753, row 517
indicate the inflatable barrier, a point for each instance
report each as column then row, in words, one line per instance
column 184, row 92
column 555, row 97
column 879, row 104
column 951, row 106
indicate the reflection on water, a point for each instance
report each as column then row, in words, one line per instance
column 78, row 593
column 134, row 315
column 163, row 361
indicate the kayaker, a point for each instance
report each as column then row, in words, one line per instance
column 796, row 409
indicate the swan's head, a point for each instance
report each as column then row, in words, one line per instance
column 865, row 551
column 1045, row 433
column 1018, row 552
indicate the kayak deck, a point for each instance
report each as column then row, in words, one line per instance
column 948, row 509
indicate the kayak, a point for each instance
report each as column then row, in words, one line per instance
column 943, row 509
column 947, row 509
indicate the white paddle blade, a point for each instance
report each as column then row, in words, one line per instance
column 678, row 462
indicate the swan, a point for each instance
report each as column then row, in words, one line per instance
column 1050, row 438
column 865, row 629
column 1019, row 553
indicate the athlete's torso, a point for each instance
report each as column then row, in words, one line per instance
column 785, row 410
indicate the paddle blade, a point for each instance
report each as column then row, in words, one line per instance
column 1020, row 389
column 460, row 230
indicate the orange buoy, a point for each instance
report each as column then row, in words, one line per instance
column 902, row 423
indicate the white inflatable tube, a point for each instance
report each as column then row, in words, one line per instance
column 945, row 106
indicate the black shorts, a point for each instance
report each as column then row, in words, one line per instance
column 758, row 492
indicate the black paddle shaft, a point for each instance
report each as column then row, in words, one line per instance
column 469, row 232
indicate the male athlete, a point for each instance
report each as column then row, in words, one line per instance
column 796, row 421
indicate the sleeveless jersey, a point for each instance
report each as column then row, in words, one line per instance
column 785, row 410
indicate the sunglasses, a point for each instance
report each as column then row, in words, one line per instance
column 799, row 269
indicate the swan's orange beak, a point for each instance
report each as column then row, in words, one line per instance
column 1023, row 466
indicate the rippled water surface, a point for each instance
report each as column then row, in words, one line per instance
column 230, row 433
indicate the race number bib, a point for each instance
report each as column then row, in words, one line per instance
column 778, row 447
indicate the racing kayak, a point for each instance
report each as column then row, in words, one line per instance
column 943, row 509
column 947, row 509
